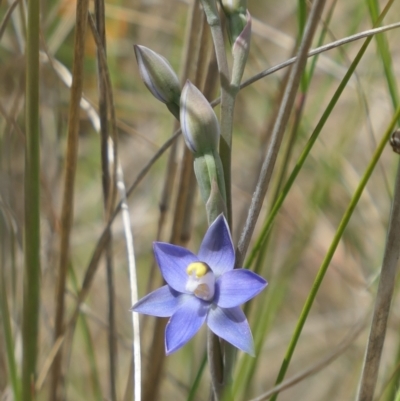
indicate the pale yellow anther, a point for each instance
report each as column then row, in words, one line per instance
column 198, row 268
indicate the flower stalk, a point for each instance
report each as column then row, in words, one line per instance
column 227, row 98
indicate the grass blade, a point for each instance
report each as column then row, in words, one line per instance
column 31, row 301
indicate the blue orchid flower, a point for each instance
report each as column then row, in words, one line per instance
column 203, row 289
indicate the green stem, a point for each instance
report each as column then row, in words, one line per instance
column 328, row 257
column 302, row 20
column 196, row 383
column 32, row 207
column 385, row 55
column 225, row 146
column 228, row 94
column 391, row 390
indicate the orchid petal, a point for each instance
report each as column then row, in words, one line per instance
column 236, row 287
column 162, row 302
column 173, row 261
column 185, row 323
column 231, row 325
column 188, row 311
column 217, row 247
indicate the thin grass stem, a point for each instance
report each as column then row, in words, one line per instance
column 137, row 375
column 391, row 385
column 68, row 196
column 384, row 51
column 106, row 184
column 31, row 300
column 7, row 17
column 383, row 300
column 196, row 382
column 314, row 52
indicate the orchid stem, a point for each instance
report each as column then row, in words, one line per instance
column 228, row 94
column 226, row 118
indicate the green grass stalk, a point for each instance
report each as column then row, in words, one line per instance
column 310, row 73
column 385, row 55
column 391, row 389
column 31, row 301
column 196, row 383
column 301, row 24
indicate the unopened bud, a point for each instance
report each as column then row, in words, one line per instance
column 235, row 12
column 158, row 75
column 199, row 123
column 240, row 52
column 234, row 6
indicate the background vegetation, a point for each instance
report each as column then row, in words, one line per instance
column 92, row 359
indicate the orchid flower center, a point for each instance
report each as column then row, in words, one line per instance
column 201, row 281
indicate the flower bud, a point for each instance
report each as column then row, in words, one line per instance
column 235, row 12
column 158, row 75
column 234, row 6
column 199, row 123
column 240, row 52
